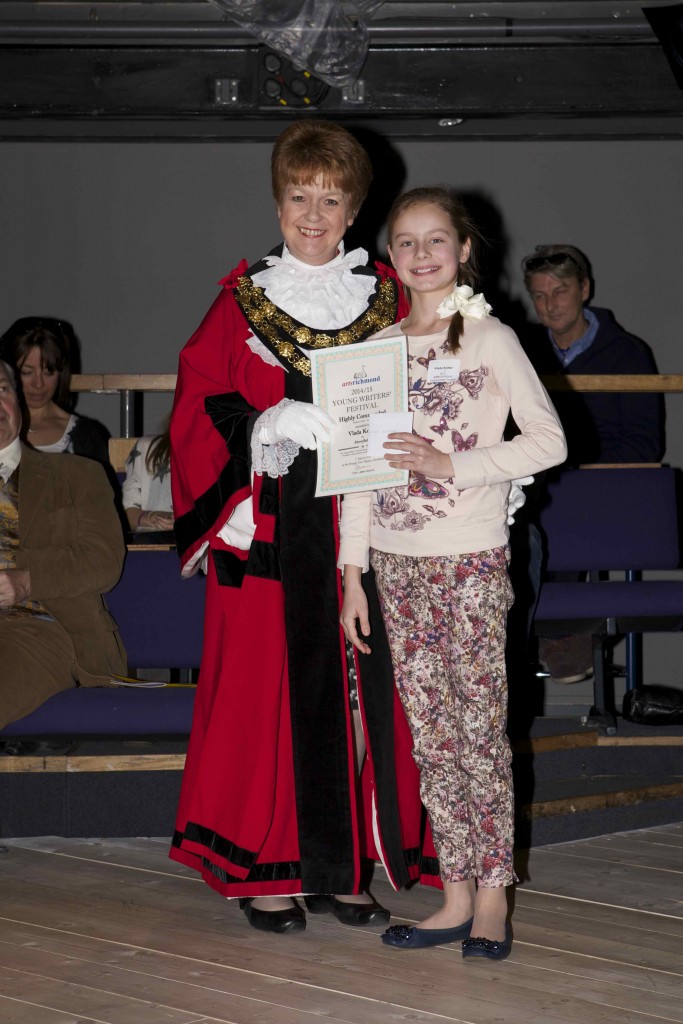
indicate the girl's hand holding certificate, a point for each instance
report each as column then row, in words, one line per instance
column 413, row 453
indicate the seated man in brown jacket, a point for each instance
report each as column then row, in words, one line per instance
column 61, row 547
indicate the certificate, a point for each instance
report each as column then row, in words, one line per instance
column 352, row 383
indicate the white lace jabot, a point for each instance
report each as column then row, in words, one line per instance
column 327, row 297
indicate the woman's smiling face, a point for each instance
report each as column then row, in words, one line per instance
column 313, row 220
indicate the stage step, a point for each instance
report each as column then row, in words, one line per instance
column 569, row 784
column 576, row 783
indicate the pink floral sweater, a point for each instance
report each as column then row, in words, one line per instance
column 464, row 416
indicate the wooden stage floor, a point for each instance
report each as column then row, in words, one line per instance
column 112, row 932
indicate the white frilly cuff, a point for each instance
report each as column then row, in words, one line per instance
column 272, row 460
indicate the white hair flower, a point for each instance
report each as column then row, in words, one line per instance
column 463, row 300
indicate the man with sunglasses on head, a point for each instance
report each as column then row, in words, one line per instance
column 601, row 427
column 575, row 338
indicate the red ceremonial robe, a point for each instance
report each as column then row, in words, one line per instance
column 270, row 803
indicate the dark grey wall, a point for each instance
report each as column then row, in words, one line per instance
column 128, row 241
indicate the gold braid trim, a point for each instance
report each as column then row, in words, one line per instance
column 272, row 323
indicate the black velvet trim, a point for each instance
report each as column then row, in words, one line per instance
column 251, row 423
column 377, row 695
column 269, row 498
column 210, row 840
column 317, row 684
column 230, row 414
column 430, row 866
column 230, row 569
column 191, row 527
column 280, row 871
column 414, row 858
column 263, row 561
column 261, row 264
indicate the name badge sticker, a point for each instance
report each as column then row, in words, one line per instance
column 443, row 371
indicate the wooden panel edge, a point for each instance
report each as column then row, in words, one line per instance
column 93, row 763
column 561, row 741
column 640, row 741
column 600, row 801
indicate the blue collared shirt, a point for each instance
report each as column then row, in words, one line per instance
column 566, row 355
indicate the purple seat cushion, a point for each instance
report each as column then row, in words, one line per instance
column 645, row 606
column 110, row 711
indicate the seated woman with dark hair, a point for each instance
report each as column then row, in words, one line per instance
column 42, row 352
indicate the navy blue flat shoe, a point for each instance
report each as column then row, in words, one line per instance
column 492, row 949
column 401, row 937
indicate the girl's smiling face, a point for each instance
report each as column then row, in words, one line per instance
column 426, row 251
column 313, row 220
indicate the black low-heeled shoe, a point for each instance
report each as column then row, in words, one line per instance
column 356, row 914
column 400, row 936
column 291, row 919
column 492, row 949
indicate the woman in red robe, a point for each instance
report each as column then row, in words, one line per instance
column 273, row 804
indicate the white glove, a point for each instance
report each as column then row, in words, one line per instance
column 517, row 497
column 301, row 422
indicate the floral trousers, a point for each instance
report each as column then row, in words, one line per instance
column 445, row 619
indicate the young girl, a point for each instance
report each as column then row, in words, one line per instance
column 439, row 551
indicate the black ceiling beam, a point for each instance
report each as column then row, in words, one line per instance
column 466, row 80
column 515, row 77
column 411, row 30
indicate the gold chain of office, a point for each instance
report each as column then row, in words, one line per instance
column 284, row 333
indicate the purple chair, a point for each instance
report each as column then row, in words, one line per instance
column 160, row 616
column 161, row 620
column 609, row 520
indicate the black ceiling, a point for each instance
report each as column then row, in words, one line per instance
column 161, row 70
